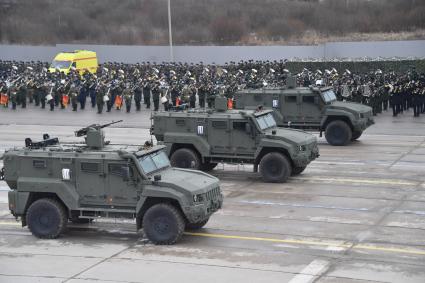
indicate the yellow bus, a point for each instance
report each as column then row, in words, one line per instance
column 81, row 60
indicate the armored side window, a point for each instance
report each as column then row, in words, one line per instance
column 39, row 163
column 239, row 126
column 180, row 122
column 90, row 167
column 308, row 99
column 291, row 99
column 219, row 124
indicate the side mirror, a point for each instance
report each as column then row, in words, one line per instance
column 248, row 128
column 126, row 173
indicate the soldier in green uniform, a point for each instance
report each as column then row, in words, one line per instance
column 73, row 95
column 128, row 97
column 101, row 91
column 12, row 92
column 22, row 94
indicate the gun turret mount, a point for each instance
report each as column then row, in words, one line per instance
column 95, row 137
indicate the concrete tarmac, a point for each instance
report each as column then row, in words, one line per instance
column 356, row 214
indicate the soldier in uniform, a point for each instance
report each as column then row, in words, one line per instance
column 147, row 93
column 12, row 92
column 137, row 96
column 101, row 91
column 82, row 95
column 73, row 95
column 128, row 97
column 42, row 94
column 22, row 94
column 155, row 95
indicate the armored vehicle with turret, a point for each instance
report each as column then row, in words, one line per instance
column 54, row 183
column 201, row 139
column 310, row 108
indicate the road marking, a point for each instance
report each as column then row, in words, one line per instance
column 310, row 272
column 393, row 250
column 362, row 181
column 10, row 223
column 330, row 246
column 258, row 202
column 335, row 245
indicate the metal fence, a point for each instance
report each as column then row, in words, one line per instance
column 222, row 54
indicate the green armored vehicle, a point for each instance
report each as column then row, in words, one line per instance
column 200, row 139
column 52, row 183
column 310, row 108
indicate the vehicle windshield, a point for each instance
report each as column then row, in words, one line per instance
column 154, row 162
column 266, row 121
column 328, row 96
column 60, row 64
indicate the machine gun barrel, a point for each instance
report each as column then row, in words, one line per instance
column 83, row 131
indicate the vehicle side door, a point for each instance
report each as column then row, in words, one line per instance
column 90, row 182
column 219, row 135
column 122, row 182
column 243, row 141
column 310, row 110
column 290, row 108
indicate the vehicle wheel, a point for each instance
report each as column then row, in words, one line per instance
column 275, row 167
column 208, row 166
column 338, row 133
column 356, row 135
column 46, row 218
column 185, row 158
column 163, row 224
column 298, row 170
column 197, row 225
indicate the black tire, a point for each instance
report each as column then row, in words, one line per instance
column 356, row 135
column 46, row 218
column 275, row 167
column 338, row 133
column 163, row 224
column 297, row 170
column 197, row 225
column 207, row 166
column 185, row 158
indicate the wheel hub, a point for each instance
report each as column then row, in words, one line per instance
column 161, row 225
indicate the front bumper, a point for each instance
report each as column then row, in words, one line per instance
column 363, row 124
column 303, row 158
column 201, row 211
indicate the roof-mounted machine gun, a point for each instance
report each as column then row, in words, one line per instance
column 95, row 137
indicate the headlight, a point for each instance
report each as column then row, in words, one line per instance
column 302, row 148
column 198, row 198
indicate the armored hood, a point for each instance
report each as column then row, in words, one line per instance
column 192, row 180
column 350, row 106
column 291, row 135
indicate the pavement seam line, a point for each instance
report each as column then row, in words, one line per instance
column 347, row 245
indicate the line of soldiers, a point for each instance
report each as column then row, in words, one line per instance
column 117, row 85
column 377, row 89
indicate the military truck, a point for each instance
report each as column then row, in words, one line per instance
column 200, row 139
column 310, row 108
column 54, row 183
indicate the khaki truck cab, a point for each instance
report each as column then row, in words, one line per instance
column 53, row 183
column 201, row 139
column 310, row 108
column 80, row 60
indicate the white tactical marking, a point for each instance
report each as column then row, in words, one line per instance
column 275, row 103
column 200, row 130
column 311, row 271
column 66, row 174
